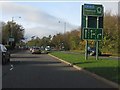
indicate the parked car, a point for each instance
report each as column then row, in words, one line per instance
column 92, row 51
column 5, row 54
column 36, row 50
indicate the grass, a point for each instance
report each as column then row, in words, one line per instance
column 108, row 69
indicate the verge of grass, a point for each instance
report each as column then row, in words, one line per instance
column 108, row 69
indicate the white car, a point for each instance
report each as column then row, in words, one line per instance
column 36, row 50
column 31, row 49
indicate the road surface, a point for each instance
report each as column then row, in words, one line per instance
column 28, row 70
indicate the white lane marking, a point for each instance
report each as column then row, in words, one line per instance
column 11, row 67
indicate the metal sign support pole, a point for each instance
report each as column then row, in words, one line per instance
column 86, row 50
column 86, row 46
column 97, row 43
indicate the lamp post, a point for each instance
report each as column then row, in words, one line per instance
column 64, row 26
column 0, row 32
column 63, row 44
column 32, row 37
column 11, row 39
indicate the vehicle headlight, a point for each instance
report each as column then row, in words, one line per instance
column 93, row 51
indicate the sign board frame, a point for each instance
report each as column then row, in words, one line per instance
column 86, row 24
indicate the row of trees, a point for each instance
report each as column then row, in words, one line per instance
column 45, row 41
column 111, row 33
column 72, row 40
column 69, row 40
column 12, row 30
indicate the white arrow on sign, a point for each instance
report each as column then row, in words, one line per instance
column 98, row 35
column 85, row 33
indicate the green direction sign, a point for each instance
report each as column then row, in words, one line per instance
column 92, row 10
column 92, row 34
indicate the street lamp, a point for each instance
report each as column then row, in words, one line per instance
column 11, row 39
column 64, row 26
column 63, row 43
column 33, row 37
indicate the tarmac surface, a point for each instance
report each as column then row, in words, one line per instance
column 28, row 70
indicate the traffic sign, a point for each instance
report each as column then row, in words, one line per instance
column 11, row 39
column 92, row 34
column 92, row 18
column 93, row 10
column 92, row 25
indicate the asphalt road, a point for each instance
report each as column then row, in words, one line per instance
column 28, row 70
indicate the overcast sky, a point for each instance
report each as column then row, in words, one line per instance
column 42, row 18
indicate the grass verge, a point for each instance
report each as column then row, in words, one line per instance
column 108, row 69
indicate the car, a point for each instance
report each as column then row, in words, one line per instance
column 5, row 54
column 92, row 51
column 45, row 50
column 31, row 49
column 36, row 50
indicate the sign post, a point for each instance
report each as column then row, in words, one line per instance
column 97, row 43
column 86, row 46
column 92, row 25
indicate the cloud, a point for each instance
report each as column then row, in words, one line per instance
column 40, row 32
column 35, row 21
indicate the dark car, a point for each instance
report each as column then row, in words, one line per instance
column 92, row 51
column 5, row 54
